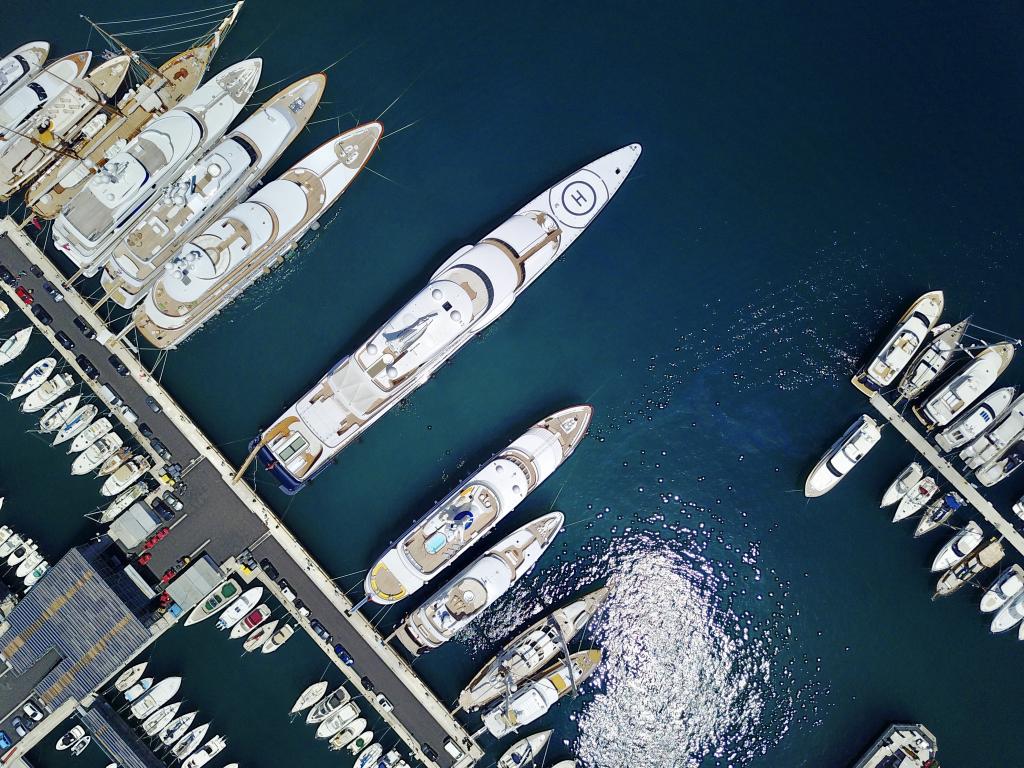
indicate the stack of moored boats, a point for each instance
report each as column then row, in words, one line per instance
column 244, row 617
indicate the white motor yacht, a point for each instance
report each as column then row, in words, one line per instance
column 328, row 705
column 136, row 690
column 1009, row 584
column 47, row 392
column 901, row 346
column 79, row 746
column 69, row 738
column 532, row 700
column 845, row 453
column 250, row 621
column 976, row 420
column 220, row 598
column 36, row 574
column 475, row 507
column 90, row 435
column 207, row 188
column 260, row 635
column 27, row 548
column 188, row 743
column 958, row 547
column 175, row 729
column 123, row 501
column 472, row 289
column 10, row 544
column 26, row 566
column 129, row 182
column 130, row 676
column 309, row 697
column 902, row 485
column 33, row 377
column 348, row 734
column 238, row 608
column 76, row 423
column 938, row 512
column 125, row 475
column 14, row 345
column 231, row 253
column 369, row 756
column 92, row 457
column 478, row 585
column 361, row 742
column 58, row 415
column 932, row 359
column 953, row 398
column 205, row 753
column 18, row 66
column 1002, row 465
column 525, row 752
column 337, row 720
column 18, row 107
column 1007, row 428
column 155, row 697
column 278, row 639
column 1009, row 615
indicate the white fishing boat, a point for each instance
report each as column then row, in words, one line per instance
column 26, row 548
column 208, row 188
column 901, row 346
column 534, row 699
column 474, row 508
column 337, row 720
column 136, row 690
column 939, row 511
column 326, row 706
column 175, row 729
column 360, row 742
column 220, row 598
column 527, row 751
column 130, row 676
column 37, row 573
column 259, row 636
column 155, row 697
column 953, row 398
column 58, row 414
column 206, row 753
column 964, row 571
column 77, row 423
column 843, row 456
column 958, row 547
column 914, row 499
column 90, row 435
column 976, row 420
column 1008, row 428
column 123, row 501
column 471, row 290
column 18, row 66
column 126, row 186
column 309, row 697
column 47, row 392
column 369, row 756
column 347, row 735
column 14, row 345
column 188, row 743
column 125, row 475
column 68, row 739
column 18, row 106
column 33, row 377
column 232, row 252
column 79, row 746
column 26, row 566
column 902, row 485
column 1002, row 465
column 478, row 585
column 528, row 652
column 10, row 544
column 238, row 608
column 278, row 639
column 1009, row 584
column 250, row 621
column 1009, row 615
column 159, row 719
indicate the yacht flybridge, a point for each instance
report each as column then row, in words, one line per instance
column 476, row 506
column 216, row 265
column 207, row 188
column 900, row 348
column 472, row 289
column 17, row 109
column 20, row 64
column 113, row 199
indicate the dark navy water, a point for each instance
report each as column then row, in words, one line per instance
column 807, row 171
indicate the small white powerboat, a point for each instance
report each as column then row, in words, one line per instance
column 155, row 697
column 1008, row 461
column 278, row 639
column 259, row 636
column 26, row 566
column 326, row 707
column 157, row 721
column 68, row 739
column 58, row 415
column 346, row 735
column 37, row 573
column 843, row 456
column 90, row 435
column 28, row 546
column 901, row 346
column 526, row 751
column 938, row 512
column 977, row 420
column 125, row 475
column 916, row 498
column 369, row 756
column 33, row 377
column 47, row 392
column 361, row 742
column 137, row 689
column 10, row 544
column 250, row 621
column 309, row 697
column 130, row 676
column 337, row 720
column 957, row 548
column 239, row 608
column 79, row 746
column 933, row 359
column 1009, row 615
column 78, row 421
column 904, row 481
column 96, row 454
column 14, row 345
column 952, row 399
column 1005, row 588
column 190, row 741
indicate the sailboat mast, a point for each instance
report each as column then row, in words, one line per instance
column 138, row 59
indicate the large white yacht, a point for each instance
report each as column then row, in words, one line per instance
column 78, row 111
column 478, row 585
column 20, row 64
column 843, row 456
column 19, row 106
column 476, row 506
column 472, row 289
column 901, row 346
column 128, row 184
column 1000, row 467
column 220, row 262
column 975, row 421
column 950, row 400
column 207, row 188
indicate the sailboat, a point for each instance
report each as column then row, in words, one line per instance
column 130, row 676
column 526, row 751
column 309, row 697
column 901, row 486
column 14, row 345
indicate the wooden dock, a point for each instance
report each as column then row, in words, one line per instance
column 949, row 472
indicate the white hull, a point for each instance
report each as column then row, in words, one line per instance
column 1009, row 615
column 844, row 455
column 933, row 359
column 976, row 421
column 58, row 415
column 901, row 346
column 906, row 480
column 526, row 751
column 337, row 720
column 78, row 422
column 47, row 393
column 310, row 696
column 155, row 698
column 957, row 548
column 239, row 608
column 33, row 377
column 915, row 499
column 130, row 676
column 90, row 435
column 1009, row 584
column 22, row 103
column 125, row 475
column 1008, row 428
column 122, row 502
column 14, row 345
column 18, row 67
column 953, row 399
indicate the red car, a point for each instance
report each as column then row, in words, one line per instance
column 24, row 295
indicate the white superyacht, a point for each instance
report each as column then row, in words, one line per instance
column 220, row 262
column 950, row 400
column 901, row 346
column 127, row 185
column 476, row 506
column 20, row 64
column 975, row 421
column 24, row 102
column 207, row 188
column 472, row 289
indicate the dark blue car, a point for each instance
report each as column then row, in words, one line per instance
column 342, row 654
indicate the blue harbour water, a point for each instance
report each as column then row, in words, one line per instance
column 807, row 171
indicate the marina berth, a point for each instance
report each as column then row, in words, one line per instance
column 76, row 423
column 14, row 345
column 337, row 720
column 122, row 502
column 278, row 639
column 476, row 506
column 18, row 66
column 79, row 746
column 127, row 185
column 1009, row 615
column 966, row 386
column 932, row 359
column 527, row 751
column 206, row 753
column 92, row 457
column 902, row 485
column 78, row 111
column 1007, row 428
column 208, row 188
column 155, row 698
column 259, row 636
column 69, row 738
column 361, row 742
column 1009, row 584
column 899, row 349
column 984, row 556
column 58, row 414
column 231, row 253
column 47, row 392
column 163, row 89
column 156, row 722
column 938, row 512
column 845, row 453
column 46, row 85
column 478, row 585
column 472, row 289
column 348, row 734
column 33, row 377
column 957, row 548
column 976, row 420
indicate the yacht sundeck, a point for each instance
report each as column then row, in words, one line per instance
column 843, row 456
column 1002, row 464
column 900, row 348
column 17, row 67
column 47, row 392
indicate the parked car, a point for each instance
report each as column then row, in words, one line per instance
column 5, row 740
column 64, row 340
column 36, row 270
column 154, row 406
column 145, row 431
column 321, row 631
column 32, row 711
column 42, row 315
column 87, row 367
column 85, row 328
column 428, row 752
column 165, row 512
column 24, row 295
column 286, row 589
column 160, row 449
column 121, row 368
column 19, row 727
column 367, row 684
column 384, row 702
column 341, row 653
column 269, row 569
column 52, row 292
column 173, row 501
column 7, row 277
column 301, row 607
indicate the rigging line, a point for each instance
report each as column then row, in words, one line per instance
column 399, row 130
column 260, row 45
column 168, row 16
column 997, row 333
column 378, row 173
column 169, row 27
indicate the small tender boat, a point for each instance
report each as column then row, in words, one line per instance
column 58, row 415
column 156, row 722
column 27, row 548
column 14, row 345
column 225, row 594
column 337, row 720
column 130, row 676
column 5, row 532
column 904, row 481
column 901, row 346
column 211, row 748
column 526, row 751
column 90, row 435
column 953, row 398
column 188, row 743
column 977, row 420
column 96, row 454
column 1009, row 615
column 125, row 475
column 47, row 392
column 915, row 498
column 1009, row 584
column 79, row 746
column 984, row 556
column 250, row 621
column 278, row 639
column 137, row 689
column 1003, row 465
column 326, row 707
column 933, row 359
column 10, row 544
column 958, row 547
column 346, row 735
column 1008, row 428
column 234, row 612
column 938, row 512
column 37, row 573
column 843, row 456
column 114, row 461
column 123, row 501
column 360, row 742
column 79, row 420
column 369, row 756
column 33, row 377
column 69, row 738
column 175, row 729
column 155, row 697
column 309, row 697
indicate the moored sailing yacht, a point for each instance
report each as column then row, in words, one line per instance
column 472, row 289
column 476, row 506
column 230, row 254
column 78, row 422
column 14, row 345
column 902, row 485
column 20, row 105
column 58, row 414
column 130, row 676
column 47, row 392
column 21, row 64
column 310, row 696
column 526, row 751
column 33, row 377
column 938, row 512
column 113, row 199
